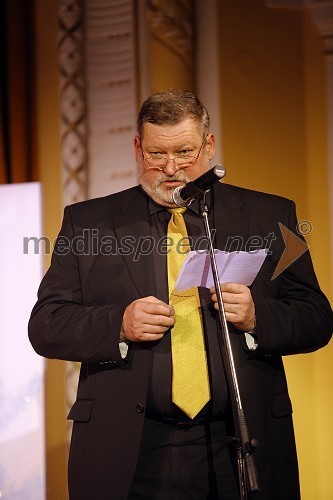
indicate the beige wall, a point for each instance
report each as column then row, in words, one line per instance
column 320, row 402
column 274, row 125
column 48, row 161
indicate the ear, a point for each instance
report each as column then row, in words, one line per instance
column 137, row 147
column 210, row 145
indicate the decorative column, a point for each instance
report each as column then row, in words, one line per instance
column 72, row 101
column 171, row 44
column 98, row 94
column 74, row 149
column 110, row 55
column 207, row 67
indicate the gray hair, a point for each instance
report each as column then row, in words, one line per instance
column 170, row 108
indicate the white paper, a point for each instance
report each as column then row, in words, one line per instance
column 234, row 267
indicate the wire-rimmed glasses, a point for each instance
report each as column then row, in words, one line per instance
column 159, row 161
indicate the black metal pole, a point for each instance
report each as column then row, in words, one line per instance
column 247, row 474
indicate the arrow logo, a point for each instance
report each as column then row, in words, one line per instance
column 294, row 248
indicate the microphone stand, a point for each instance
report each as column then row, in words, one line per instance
column 247, row 473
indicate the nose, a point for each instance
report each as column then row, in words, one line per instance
column 171, row 167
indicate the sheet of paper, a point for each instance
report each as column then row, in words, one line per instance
column 236, row 267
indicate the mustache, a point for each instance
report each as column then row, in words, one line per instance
column 178, row 176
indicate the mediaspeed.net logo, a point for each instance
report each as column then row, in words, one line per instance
column 89, row 244
column 294, row 245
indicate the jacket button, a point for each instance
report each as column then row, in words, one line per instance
column 140, row 408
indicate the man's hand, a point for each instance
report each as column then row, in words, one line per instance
column 238, row 305
column 147, row 319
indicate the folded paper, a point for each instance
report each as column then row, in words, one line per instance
column 235, row 267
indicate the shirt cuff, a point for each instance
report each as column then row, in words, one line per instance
column 123, row 348
column 250, row 337
column 251, row 342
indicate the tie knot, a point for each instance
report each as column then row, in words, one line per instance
column 179, row 210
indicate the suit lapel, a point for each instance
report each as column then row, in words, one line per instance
column 231, row 221
column 131, row 224
column 132, row 229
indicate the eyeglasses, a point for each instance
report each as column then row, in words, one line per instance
column 159, row 161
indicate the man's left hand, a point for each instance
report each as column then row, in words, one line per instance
column 238, row 305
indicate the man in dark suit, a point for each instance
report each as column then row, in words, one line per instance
column 108, row 307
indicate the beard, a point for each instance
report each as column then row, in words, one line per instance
column 157, row 190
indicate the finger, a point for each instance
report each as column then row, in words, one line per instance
column 151, row 337
column 233, row 315
column 148, row 337
column 161, row 309
column 150, row 303
column 233, row 287
column 233, row 298
column 145, row 332
column 151, row 298
column 155, row 329
column 158, row 320
column 232, row 308
column 230, row 298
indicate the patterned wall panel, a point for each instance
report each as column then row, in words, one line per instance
column 73, row 114
column 110, row 63
column 73, row 102
column 97, row 64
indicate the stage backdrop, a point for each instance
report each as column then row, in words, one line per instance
column 22, row 467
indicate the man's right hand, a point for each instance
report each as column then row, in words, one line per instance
column 146, row 319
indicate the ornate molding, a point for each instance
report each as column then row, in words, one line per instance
column 171, row 23
column 72, row 101
column 98, row 103
column 74, row 154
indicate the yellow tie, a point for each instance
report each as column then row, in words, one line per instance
column 190, row 381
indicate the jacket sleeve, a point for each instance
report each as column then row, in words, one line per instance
column 297, row 317
column 61, row 326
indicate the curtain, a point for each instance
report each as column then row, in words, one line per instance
column 17, row 120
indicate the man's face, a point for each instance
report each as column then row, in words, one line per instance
column 171, row 140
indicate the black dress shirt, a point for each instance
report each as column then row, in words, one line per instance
column 159, row 404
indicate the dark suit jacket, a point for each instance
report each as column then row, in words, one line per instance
column 79, row 313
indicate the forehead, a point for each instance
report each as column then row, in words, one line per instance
column 187, row 131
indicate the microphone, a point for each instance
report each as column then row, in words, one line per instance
column 184, row 195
